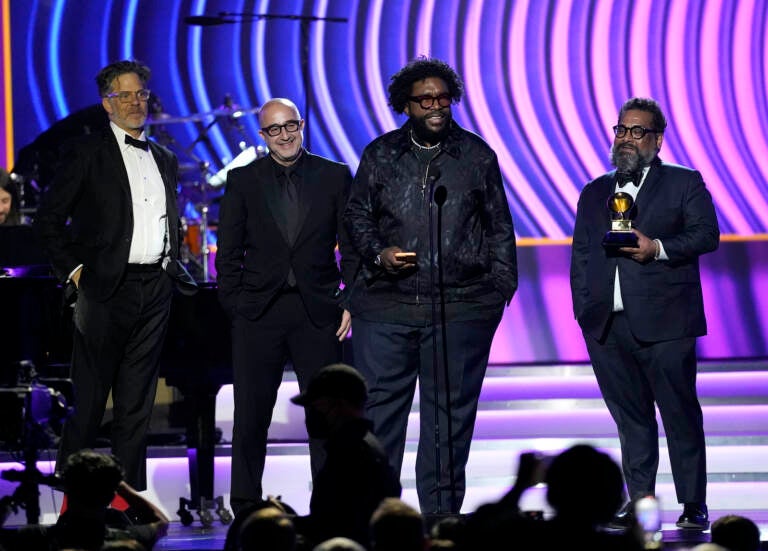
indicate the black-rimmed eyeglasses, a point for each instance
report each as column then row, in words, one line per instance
column 637, row 132
column 276, row 129
column 426, row 102
column 127, row 97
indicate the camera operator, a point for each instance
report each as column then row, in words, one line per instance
column 91, row 480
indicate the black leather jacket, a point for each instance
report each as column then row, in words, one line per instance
column 389, row 206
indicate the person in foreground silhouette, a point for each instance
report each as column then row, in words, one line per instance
column 736, row 533
column 356, row 475
column 584, row 487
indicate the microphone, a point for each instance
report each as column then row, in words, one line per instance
column 441, row 194
column 206, row 20
column 433, row 174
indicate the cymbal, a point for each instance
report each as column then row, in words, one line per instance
column 165, row 118
column 234, row 112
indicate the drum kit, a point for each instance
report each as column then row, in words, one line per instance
column 201, row 186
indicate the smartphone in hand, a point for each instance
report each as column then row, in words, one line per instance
column 409, row 257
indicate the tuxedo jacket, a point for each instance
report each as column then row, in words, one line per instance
column 92, row 191
column 662, row 299
column 254, row 254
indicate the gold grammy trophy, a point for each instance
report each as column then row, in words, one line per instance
column 619, row 205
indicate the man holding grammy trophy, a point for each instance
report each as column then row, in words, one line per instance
column 639, row 232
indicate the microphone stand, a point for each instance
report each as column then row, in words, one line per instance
column 305, row 20
column 439, row 197
column 435, row 362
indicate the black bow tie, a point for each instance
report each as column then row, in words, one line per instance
column 137, row 143
column 624, row 178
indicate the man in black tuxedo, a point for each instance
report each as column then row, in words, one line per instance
column 278, row 278
column 119, row 253
column 640, row 307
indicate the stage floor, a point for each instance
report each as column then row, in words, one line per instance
column 544, row 408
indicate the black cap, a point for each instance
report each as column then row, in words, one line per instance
column 335, row 381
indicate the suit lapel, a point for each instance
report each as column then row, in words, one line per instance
column 270, row 187
column 649, row 190
column 307, row 192
column 116, row 160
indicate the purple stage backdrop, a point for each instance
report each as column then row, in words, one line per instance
column 538, row 326
column 544, row 80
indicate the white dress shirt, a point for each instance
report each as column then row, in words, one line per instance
column 150, row 218
column 632, row 189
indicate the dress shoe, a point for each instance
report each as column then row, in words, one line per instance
column 624, row 518
column 695, row 517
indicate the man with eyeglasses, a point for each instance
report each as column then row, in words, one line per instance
column 640, row 308
column 110, row 225
column 279, row 281
column 428, row 169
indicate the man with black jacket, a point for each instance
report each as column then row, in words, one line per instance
column 110, row 225
column 388, row 217
column 279, row 281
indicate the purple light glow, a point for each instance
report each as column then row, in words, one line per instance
column 561, row 65
column 538, row 326
column 719, row 420
column 715, row 103
column 744, row 76
column 518, row 67
column 710, row 385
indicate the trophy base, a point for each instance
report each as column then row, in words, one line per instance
column 618, row 239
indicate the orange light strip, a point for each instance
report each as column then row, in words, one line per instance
column 7, row 83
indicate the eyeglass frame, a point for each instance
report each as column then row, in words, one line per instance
column 275, row 130
column 432, row 99
column 128, row 95
column 631, row 130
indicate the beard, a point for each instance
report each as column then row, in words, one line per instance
column 424, row 134
column 627, row 158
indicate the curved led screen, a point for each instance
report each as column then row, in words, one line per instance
column 544, row 80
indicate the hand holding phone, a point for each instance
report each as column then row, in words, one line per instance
column 407, row 257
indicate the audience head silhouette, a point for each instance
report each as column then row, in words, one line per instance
column 267, row 529
column 736, row 533
column 396, row 526
column 91, row 479
column 584, row 486
column 339, row 544
column 335, row 394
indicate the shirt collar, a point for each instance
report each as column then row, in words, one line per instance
column 120, row 135
column 296, row 168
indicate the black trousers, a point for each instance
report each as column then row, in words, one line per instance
column 632, row 376
column 260, row 350
column 117, row 346
column 392, row 357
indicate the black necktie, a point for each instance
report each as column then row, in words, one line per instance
column 291, row 198
column 291, row 202
column 141, row 144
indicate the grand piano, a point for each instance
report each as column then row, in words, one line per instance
column 196, row 358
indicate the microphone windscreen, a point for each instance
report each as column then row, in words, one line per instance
column 441, row 194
